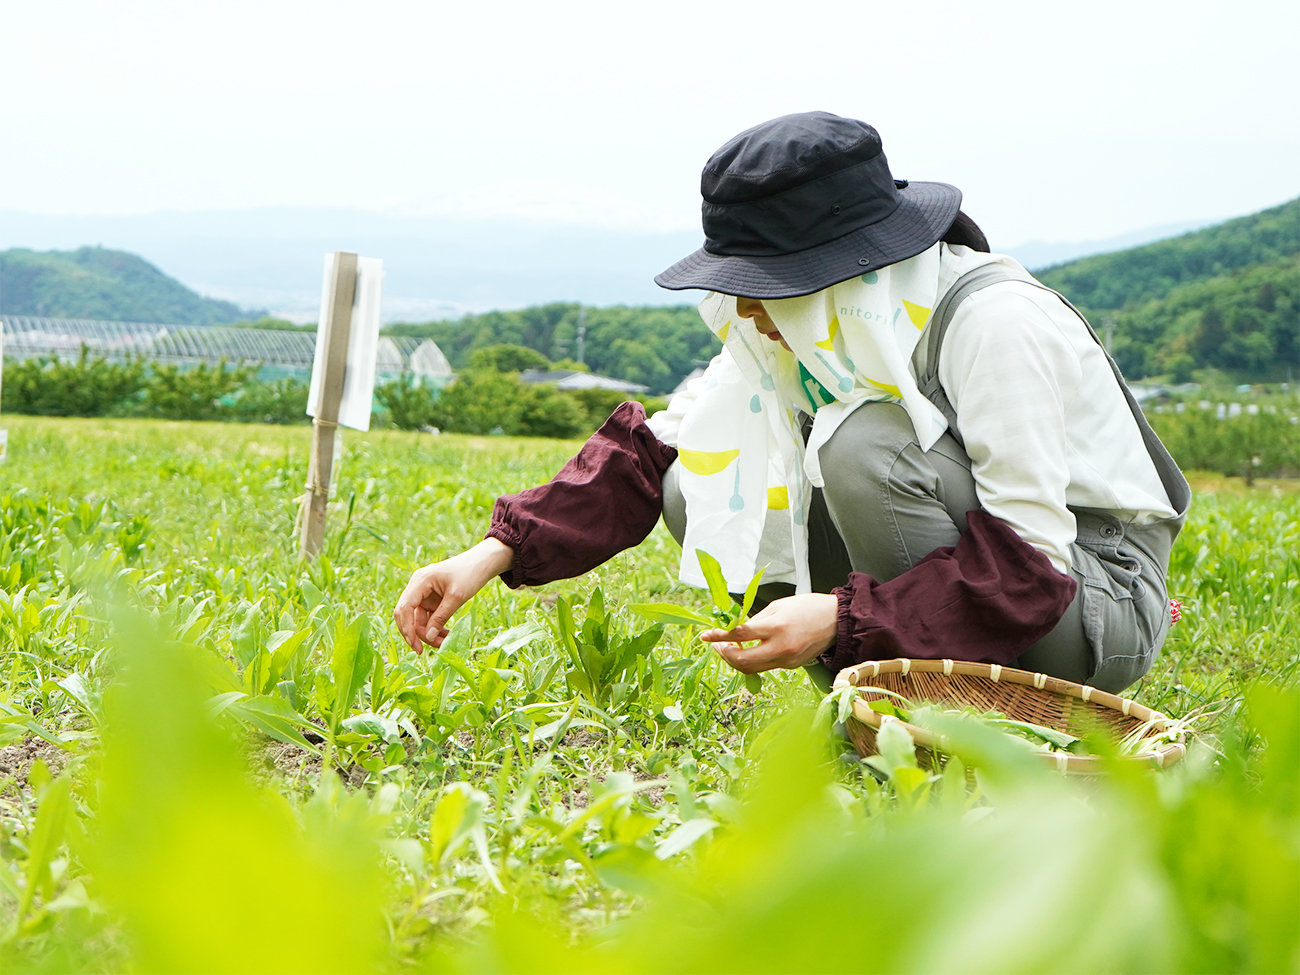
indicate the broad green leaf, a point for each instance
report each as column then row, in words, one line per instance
column 754, row 683
column 43, row 843
column 461, row 668
column 219, row 703
column 367, row 723
column 422, row 700
column 568, row 634
column 847, row 695
column 490, row 687
column 883, row 706
column 717, row 583
column 80, row 691
column 274, row 717
column 625, row 866
column 670, row 614
column 1059, row 739
column 517, row 637
column 458, row 638
column 246, row 638
column 596, row 606
column 283, row 645
column 32, row 725
column 311, row 595
column 458, row 812
column 896, row 746
column 907, row 781
column 350, row 665
column 750, row 592
column 683, row 836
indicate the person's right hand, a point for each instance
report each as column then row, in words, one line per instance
column 438, row 590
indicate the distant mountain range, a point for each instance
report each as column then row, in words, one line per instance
column 110, row 285
column 1224, row 296
column 435, row 268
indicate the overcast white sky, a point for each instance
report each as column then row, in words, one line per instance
column 1059, row 121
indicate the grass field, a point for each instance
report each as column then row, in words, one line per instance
column 175, row 681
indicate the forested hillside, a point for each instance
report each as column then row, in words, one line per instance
column 92, row 282
column 655, row 346
column 1130, row 277
column 1226, row 297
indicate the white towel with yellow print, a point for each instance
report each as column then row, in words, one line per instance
column 741, row 452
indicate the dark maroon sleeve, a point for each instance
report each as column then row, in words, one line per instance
column 988, row 599
column 603, row 501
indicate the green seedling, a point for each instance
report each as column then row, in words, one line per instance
column 604, row 654
column 727, row 614
column 486, row 759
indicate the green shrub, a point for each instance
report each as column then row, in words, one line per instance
column 488, row 401
column 598, row 404
column 508, row 358
column 283, row 401
column 86, row 387
column 176, row 393
column 1264, row 444
column 485, row 401
column 410, row 406
column 547, row 412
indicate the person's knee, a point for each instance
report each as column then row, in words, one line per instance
column 857, row 460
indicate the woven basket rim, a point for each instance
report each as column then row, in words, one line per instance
column 1163, row 757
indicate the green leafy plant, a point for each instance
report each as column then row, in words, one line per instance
column 727, row 614
column 607, row 660
column 687, row 824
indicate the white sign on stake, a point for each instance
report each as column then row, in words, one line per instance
column 363, row 344
column 342, row 377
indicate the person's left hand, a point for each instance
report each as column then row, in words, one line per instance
column 792, row 631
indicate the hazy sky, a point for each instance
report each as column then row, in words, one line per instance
column 1059, row 121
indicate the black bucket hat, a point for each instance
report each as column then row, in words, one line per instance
column 803, row 202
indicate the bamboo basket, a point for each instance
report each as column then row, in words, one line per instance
column 1018, row 694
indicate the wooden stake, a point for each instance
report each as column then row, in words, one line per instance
column 335, row 334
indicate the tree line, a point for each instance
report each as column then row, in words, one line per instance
column 1226, row 297
column 654, row 346
column 486, row 398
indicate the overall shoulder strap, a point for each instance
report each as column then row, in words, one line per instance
column 927, row 379
column 927, row 375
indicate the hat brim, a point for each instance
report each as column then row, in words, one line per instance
column 924, row 214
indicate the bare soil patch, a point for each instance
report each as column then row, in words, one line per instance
column 16, row 761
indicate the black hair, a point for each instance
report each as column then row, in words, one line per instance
column 966, row 231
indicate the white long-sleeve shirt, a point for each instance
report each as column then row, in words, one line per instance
column 1043, row 418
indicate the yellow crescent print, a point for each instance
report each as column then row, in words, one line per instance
column 917, row 313
column 828, row 342
column 724, row 331
column 891, row 390
column 706, row 462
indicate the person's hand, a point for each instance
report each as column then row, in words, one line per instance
column 792, row 631
column 438, row 590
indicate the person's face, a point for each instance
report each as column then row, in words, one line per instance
column 753, row 308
